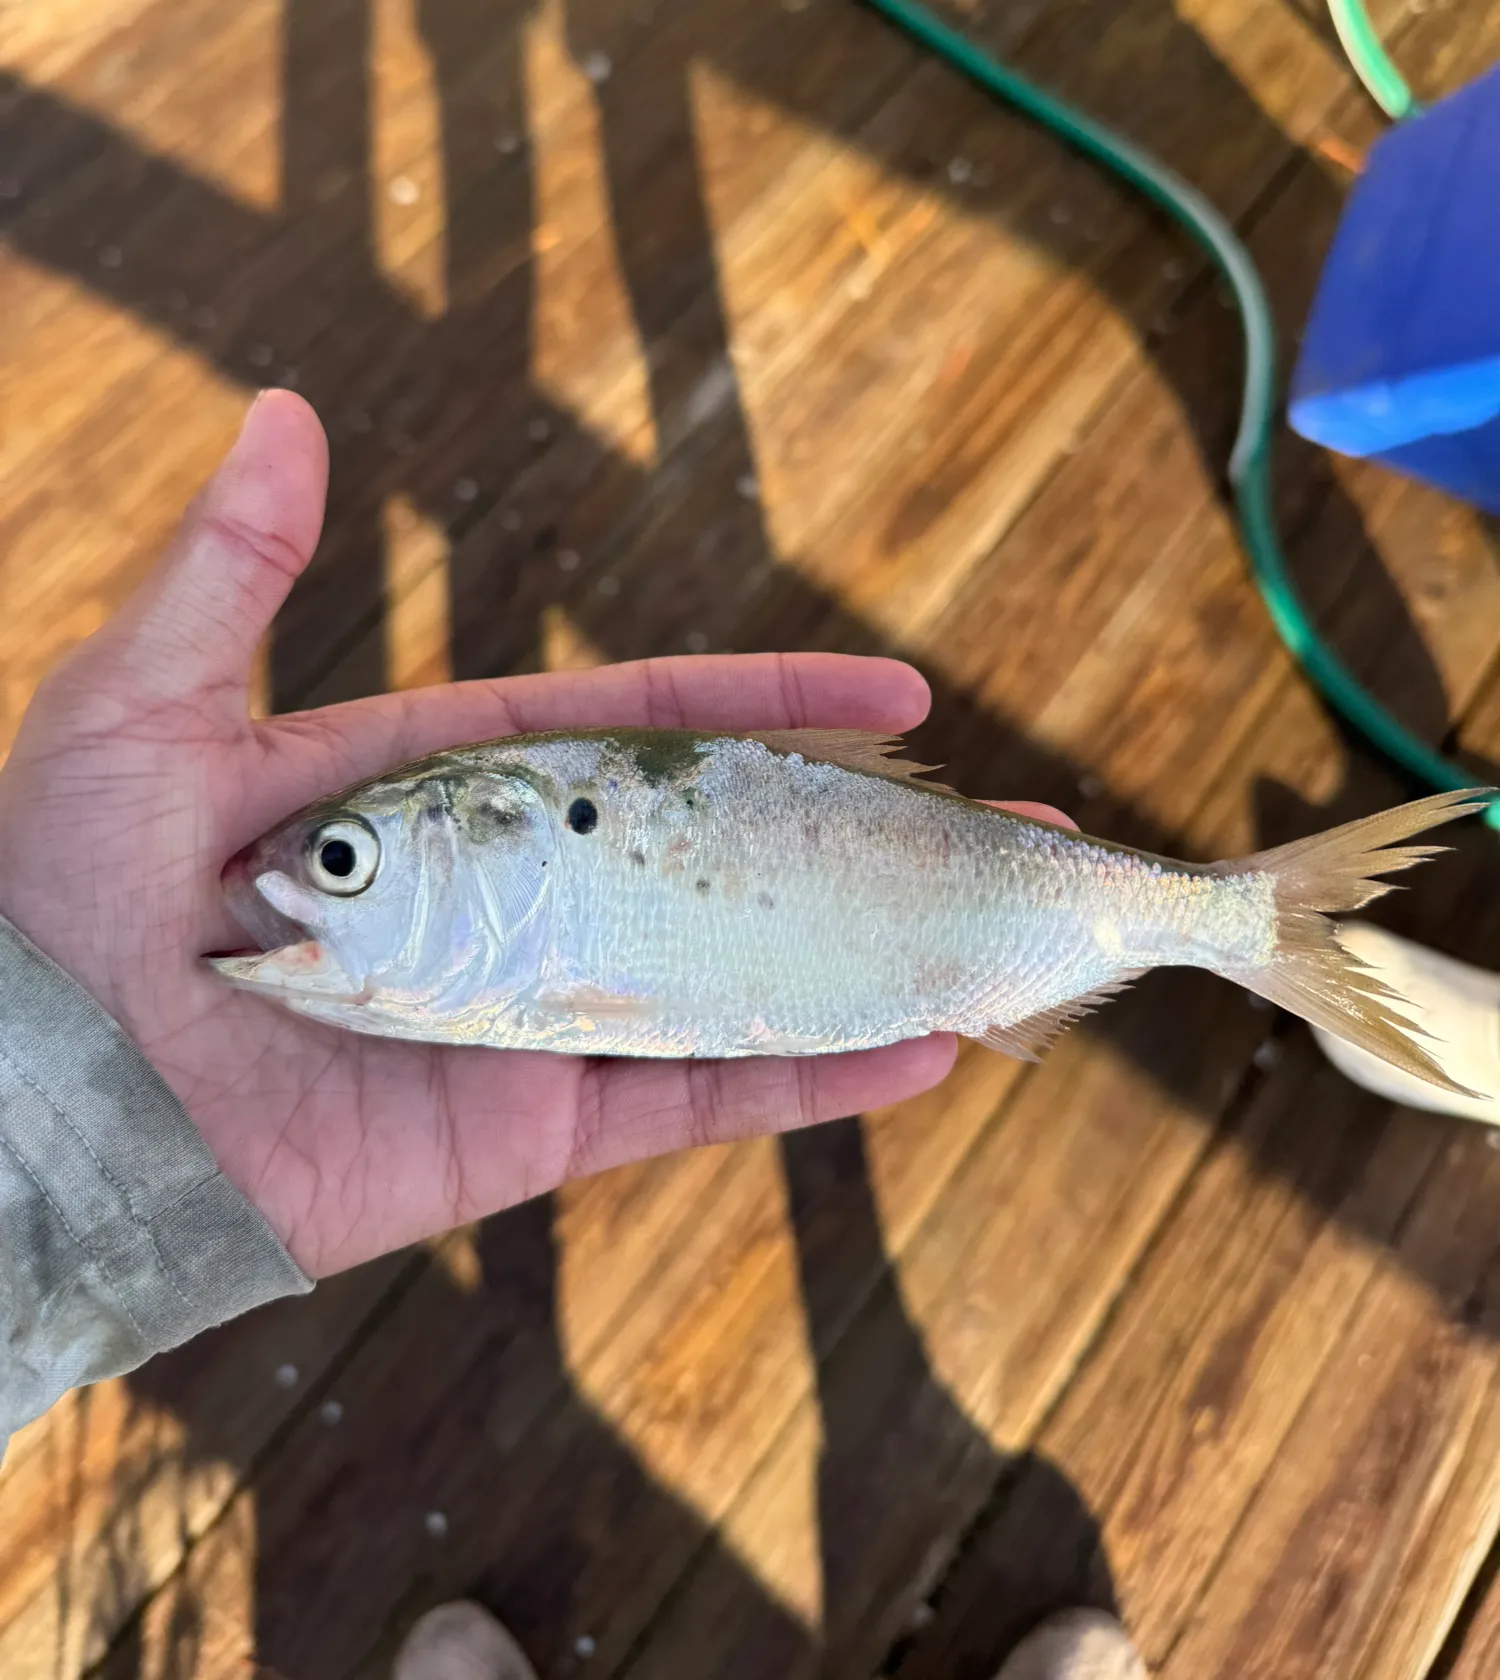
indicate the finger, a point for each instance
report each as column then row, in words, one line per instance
column 192, row 629
column 733, row 692
column 1037, row 813
column 629, row 1111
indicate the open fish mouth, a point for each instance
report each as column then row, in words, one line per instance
column 303, row 969
column 290, row 958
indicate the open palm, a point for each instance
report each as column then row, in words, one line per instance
column 138, row 770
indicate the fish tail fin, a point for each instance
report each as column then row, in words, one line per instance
column 1310, row 972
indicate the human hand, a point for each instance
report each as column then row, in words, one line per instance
column 138, row 771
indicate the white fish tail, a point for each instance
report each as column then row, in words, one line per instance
column 1311, row 973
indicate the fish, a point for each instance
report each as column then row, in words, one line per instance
column 670, row 893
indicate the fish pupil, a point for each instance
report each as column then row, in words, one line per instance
column 337, row 858
column 583, row 817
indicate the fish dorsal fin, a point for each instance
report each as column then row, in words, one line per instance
column 852, row 749
column 1026, row 1040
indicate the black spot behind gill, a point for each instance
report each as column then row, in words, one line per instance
column 583, row 816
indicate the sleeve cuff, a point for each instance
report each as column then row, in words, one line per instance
column 119, row 1236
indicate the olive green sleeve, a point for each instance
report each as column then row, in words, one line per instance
column 119, row 1236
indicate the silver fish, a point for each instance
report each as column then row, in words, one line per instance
column 642, row 892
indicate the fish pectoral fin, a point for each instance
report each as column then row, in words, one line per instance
column 852, row 749
column 582, row 998
column 1026, row 1040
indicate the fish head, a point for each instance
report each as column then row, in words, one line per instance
column 400, row 906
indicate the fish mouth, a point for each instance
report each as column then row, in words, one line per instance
column 266, row 925
column 290, row 958
column 302, row 969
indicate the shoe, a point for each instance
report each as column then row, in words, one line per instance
column 1458, row 1005
column 460, row 1641
column 1076, row 1645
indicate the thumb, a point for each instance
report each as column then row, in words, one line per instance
column 191, row 630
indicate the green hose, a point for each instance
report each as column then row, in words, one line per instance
column 1250, row 459
column 1383, row 81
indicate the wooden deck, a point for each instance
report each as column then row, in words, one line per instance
column 792, row 341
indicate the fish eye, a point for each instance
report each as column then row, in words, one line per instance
column 343, row 857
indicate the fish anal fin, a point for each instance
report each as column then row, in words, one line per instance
column 1027, row 1040
column 852, row 749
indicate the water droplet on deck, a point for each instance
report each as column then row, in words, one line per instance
column 597, row 67
column 960, row 171
column 261, row 355
column 111, row 257
column 539, row 431
column 609, row 586
column 696, row 642
column 747, row 487
column 436, row 1524
column 286, row 1376
column 510, row 520
column 1267, row 1055
column 465, row 490
column 584, row 1646
column 330, row 1412
column 507, row 144
column 569, row 559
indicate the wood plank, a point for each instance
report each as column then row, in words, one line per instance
column 608, row 1640
column 1022, row 199
column 1473, row 1648
column 158, row 1542
column 1381, row 1502
column 703, row 1616
column 926, row 1402
column 1111, row 1082
column 101, row 1498
column 1172, row 1504
column 651, row 1416
column 980, row 397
